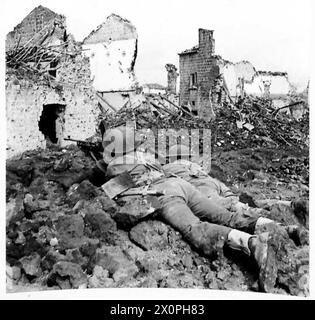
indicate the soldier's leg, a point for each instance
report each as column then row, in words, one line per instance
column 208, row 238
column 207, row 209
column 204, row 236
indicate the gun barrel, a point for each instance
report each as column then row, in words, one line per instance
column 74, row 140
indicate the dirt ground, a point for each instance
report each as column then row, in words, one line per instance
column 63, row 234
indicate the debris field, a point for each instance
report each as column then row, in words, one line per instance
column 63, row 232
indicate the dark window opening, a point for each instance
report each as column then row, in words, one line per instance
column 195, row 112
column 65, row 36
column 52, row 67
column 193, row 79
column 193, row 103
column 52, row 113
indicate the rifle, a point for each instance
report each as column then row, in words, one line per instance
column 96, row 148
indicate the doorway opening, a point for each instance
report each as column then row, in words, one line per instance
column 51, row 122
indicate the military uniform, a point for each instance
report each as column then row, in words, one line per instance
column 203, row 223
column 212, row 188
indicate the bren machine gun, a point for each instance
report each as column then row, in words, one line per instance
column 94, row 149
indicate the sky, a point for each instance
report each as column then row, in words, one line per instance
column 272, row 34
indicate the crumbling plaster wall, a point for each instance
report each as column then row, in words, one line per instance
column 277, row 84
column 25, row 103
column 233, row 72
column 111, row 65
column 112, row 50
column 242, row 77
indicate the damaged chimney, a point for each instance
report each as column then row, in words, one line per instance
column 206, row 42
column 171, row 78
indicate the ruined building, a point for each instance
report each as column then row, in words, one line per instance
column 242, row 78
column 198, row 69
column 207, row 80
column 57, row 88
column 112, row 50
column 31, row 28
column 49, row 94
column 172, row 76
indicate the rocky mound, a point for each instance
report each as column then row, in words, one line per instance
column 62, row 232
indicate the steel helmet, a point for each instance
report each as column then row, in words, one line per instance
column 121, row 140
column 179, row 150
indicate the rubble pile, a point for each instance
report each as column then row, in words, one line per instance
column 254, row 122
column 154, row 112
column 250, row 123
column 63, row 232
column 291, row 168
column 288, row 167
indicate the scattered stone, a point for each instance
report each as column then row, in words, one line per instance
column 75, row 256
column 107, row 204
column 100, row 278
column 187, row 261
column 52, row 257
column 100, row 222
column 283, row 213
column 31, row 205
column 14, row 210
column 62, row 164
column 13, row 272
column 45, row 234
column 89, row 248
column 148, row 264
column 150, row 235
column 133, row 209
column 76, row 276
column 85, row 190
column 21, row 168
column 70, row 230
column 31, row 264
column 115, row 261
column 20, row 239
column 53, row 242
column 293, row 269
column 148, row 283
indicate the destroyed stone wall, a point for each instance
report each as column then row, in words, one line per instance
column 235, row 74
column 207, row 80
column 112, row 49
column 171, row 78
column 201, row 62
column 47, row 105
column 36, row 21
column 242, row 78
column 26, row 98
column 113, row 29
column 273, row 84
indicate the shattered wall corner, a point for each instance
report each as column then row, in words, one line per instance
column 172, row 76
column 112, row 50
